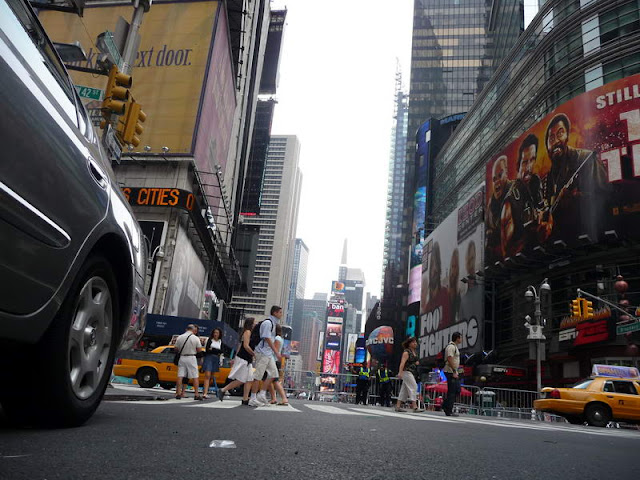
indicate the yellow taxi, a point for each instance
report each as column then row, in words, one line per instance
column 612, row 393
column 150, row 371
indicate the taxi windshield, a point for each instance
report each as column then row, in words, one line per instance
column 583, row 384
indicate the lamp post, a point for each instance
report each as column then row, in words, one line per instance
column 535, row 327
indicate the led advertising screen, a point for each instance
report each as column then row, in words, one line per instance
column 335, row 309
column 334, row 336
column 352, row 339
column 571, row 179
column 331, row 362
column 337, row 288
column 423, row 139
column 320, row 346
column 451, row 252
column 361, row 349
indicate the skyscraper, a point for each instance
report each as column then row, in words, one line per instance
column 298, row 277
column 395, row 189
column 277, row 221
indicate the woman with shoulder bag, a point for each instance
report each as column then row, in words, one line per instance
column 241, row 372
column 211, row 363
column 408, row 371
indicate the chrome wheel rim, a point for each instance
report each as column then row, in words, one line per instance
column 90, row 337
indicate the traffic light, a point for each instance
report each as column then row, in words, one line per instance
column 576, row 308
column 132, row 125
column 115, row 95
column 587, row 309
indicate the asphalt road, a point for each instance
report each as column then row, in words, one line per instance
column 152, row 439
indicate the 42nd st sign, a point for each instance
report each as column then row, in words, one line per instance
column 89, row 92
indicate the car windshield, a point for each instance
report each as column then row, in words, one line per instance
column 583, row 384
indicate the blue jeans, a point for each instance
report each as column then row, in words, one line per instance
column 453, row 389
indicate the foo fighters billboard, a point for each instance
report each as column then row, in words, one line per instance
column 571, row 179
column 453, row 251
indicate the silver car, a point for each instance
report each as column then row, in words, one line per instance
column 72, row 256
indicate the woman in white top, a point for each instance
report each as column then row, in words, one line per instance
column 276, row 384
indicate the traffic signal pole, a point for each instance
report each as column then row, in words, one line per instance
column 132, row 42
column 606, row 302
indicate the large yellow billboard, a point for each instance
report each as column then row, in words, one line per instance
column 170, row 66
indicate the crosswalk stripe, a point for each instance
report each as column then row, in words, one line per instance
column 337, row 410
column 505, row 424
column 235, row 404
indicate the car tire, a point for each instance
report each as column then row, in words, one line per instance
column 75, row 356
column 574, row 419
column 167, row 386
column 147, row 377
column 597, row 415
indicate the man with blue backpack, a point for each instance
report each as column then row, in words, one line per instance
column 262, row 343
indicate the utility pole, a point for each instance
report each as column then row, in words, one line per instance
column 535, row 329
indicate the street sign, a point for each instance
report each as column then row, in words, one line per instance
column 89, row 92
column 106, row 44
column 630, row 327
column 111, row 143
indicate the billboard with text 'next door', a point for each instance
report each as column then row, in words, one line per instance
column 571, row 179
column 452, row 252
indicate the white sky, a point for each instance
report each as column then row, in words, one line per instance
column 336, row 94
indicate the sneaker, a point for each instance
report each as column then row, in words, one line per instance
column 262, row 397
column 220, row 394
column 400, row 409
column 418, row 410
column 254, row 402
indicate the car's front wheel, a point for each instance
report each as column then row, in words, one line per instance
column 597, row 415
column 75, row 356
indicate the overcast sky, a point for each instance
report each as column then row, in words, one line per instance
column 336, row 91
column 336, row 94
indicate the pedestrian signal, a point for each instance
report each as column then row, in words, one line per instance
column 588, row 309
column 116, row 95
column 576, row 308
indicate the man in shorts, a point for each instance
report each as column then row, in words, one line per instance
column 266, row 356
column 188, row 344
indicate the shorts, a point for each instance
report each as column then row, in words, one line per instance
column 188, row 367
column 211, row 363
column 241, row 370
column 265, row 363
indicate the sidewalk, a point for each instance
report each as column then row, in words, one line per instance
column 119, row 392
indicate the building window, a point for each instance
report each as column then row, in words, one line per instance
column 593, row 77
column 590, row 35
column 619, row 22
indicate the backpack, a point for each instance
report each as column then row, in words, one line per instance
column 255, row 338
column 443, row 357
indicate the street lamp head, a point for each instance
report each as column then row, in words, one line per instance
column 528, row 295
column 545, row 287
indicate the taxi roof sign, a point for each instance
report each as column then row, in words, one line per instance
column 615, row 371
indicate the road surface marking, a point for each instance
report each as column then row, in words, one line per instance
column 338, row 411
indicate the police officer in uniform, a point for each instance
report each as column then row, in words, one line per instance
column 362, row 383
column 384, row 386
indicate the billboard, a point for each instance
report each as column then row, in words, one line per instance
column 569, row 179
column 334, row 336
column 331, row 361
column 423, row 138
column 451, row 252
column 185, row 290
column 335, row 309
column 352, row 339
column 176, row 58
column 337, row 287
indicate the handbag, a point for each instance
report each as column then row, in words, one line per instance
column 176, row 356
